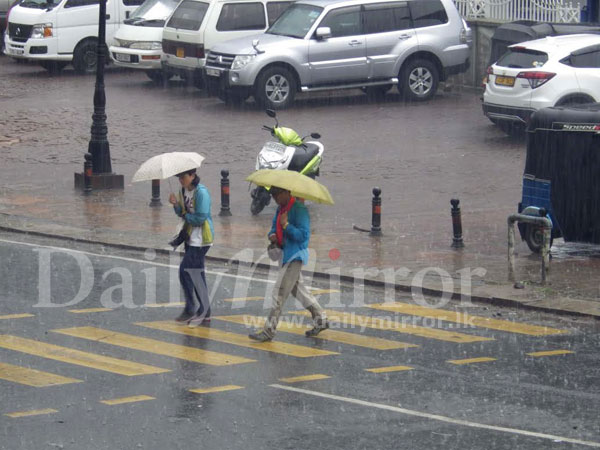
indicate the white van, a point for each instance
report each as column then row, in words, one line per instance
column 138, row 42
column 66, row 31
column 196, row 26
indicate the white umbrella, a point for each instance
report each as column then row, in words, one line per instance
column 166, row 165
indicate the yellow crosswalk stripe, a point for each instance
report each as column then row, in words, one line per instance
column 551, row 353
column 356, row 320
column 36, row 412
column 32, row 377
column 237, row 339
column 229, row 387
column 323, row 291
column 243, row 299
column 328, row 335
column 88, row 310
column 123, row 400
column 77, row 357
column 389, row 369
column 15, row 316
column 153, row 346
column 163, row 305
column 470, row 360
column 467, row 319
column 314, row 377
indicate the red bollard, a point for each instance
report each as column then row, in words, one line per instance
column 225, row 211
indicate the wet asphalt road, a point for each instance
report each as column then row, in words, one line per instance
column 511, row 401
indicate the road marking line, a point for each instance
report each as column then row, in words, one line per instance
column 323, row 291
column 437, row 417
column 141, row 261
column 89, row 310
column 551, row 353
column 342, row 337
column 238, row 339
column 77, row 357
column 243, row 299
column 163, row 305
column 120, row 401
column 35, row 412
column 32, row 377
column 317, row 376
column 15, row 316
column 467, row 319
column 229, row 387
column 470, row 360
column 386, row 324
column 153, row 346
column 389, row 369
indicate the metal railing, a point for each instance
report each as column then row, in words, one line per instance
column 557, row 11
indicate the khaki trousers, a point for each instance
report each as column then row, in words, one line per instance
column 289, row 281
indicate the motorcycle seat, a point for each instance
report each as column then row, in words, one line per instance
column 302, row 156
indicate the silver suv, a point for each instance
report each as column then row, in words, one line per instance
column 336, row 44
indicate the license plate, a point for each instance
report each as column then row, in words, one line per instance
column 505, row 81
column 16, row 51
column 275, row 147
column 122, row 57
column 179, row 52
column 213, row 72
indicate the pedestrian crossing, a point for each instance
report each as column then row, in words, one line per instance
column 236, row 336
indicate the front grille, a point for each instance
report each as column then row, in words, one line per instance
column 189, row 50
column 220, row 60
column 18, row 32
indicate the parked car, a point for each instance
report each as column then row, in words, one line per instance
column 196, row 26
column 5, row 6
column 56, row 34
column 339, row 44
column 553, row 71
column 138, row 42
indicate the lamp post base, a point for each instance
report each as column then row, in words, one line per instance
column 101, row 181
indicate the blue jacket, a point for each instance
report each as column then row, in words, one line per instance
column 201, row 216
column 296, row 235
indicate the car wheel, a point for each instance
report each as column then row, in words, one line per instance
column 419, row 80
column 376, row 92
column 85, row 58
column 53, row 67
column 534, row 237
column 275, row 88
column 158, row 77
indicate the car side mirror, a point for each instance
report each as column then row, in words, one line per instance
column 323, row 33
column 315, row 135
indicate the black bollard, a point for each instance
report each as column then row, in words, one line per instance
column 225, row 211
column 376, row 213
column 457, row 240
column 155, row 200
column 87, row 174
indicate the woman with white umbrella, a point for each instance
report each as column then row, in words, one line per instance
column 193, row 206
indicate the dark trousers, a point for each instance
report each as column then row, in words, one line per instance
column 193, row 280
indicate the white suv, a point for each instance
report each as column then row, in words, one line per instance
column 553, row 71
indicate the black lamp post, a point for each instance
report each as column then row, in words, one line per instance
column 102, row 174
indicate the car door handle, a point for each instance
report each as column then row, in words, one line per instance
column 354, row 43
column 404, row 37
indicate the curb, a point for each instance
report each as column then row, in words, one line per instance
column 372, row 282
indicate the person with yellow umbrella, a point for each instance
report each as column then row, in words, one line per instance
column 290, row 231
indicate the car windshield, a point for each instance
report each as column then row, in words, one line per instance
column 153, row 12
column 296, row 21
column 188, row 15
column 38, row 3
column 522, row 58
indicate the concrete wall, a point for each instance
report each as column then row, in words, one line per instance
column 480, row 53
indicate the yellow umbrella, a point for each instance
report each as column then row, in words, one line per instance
column 299, row 185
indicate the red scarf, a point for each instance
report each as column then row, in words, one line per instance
column 279, row 228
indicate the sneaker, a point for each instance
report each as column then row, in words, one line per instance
column 183, row 317
column 198, row 320
column 320, row 325
column 260, row 336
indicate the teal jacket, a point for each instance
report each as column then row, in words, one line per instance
column 296, row 235
column 201, row 216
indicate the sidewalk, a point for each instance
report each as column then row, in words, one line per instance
column 31, row 202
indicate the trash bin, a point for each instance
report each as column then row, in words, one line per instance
column 563, row 156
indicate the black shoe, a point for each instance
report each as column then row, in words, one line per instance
column 183, row 317
column 320, row 325
column 260, row 336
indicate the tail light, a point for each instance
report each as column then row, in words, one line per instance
column 485, row 80
column 200, row 51
column 536, row 79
